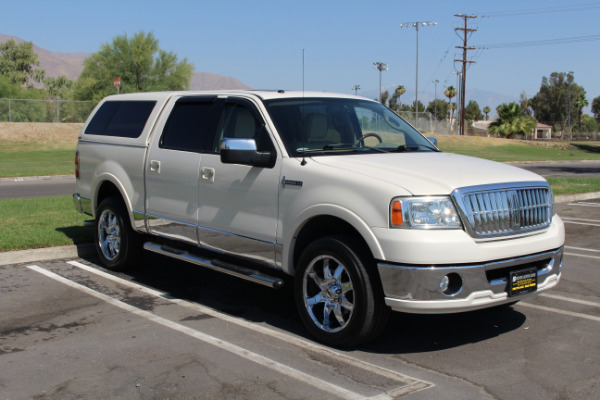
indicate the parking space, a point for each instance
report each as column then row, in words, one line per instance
column 69, row 329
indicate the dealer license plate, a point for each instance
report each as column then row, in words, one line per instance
column 523, row 281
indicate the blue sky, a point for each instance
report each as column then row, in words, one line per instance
column 261, row 42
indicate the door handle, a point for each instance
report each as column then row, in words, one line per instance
column 208, row 174
column 155, row 166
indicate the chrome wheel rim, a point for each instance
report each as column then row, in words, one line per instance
column 328, row 294
column 109, row 235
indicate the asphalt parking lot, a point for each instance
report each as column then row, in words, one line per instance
column 69, row 329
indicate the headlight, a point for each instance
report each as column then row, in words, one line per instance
column 424, row 213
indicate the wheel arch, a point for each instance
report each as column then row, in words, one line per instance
column 109, row 186
column 320, row 221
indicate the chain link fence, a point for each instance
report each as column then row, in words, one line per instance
column 426, row 123
column 34, row 110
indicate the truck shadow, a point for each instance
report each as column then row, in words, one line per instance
column 404, row 334
column 411, row 333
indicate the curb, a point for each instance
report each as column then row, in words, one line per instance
column 47, row 254
column 38, row 178
column 567, row 198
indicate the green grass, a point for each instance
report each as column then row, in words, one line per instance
column 37, row 162
column 518, row 150
column 41, row 222
column 573, row 185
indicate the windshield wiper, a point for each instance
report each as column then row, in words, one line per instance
column 403, row 147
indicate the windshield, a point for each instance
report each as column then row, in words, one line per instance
column 339, row 125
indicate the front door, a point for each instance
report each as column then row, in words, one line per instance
column 238, row 204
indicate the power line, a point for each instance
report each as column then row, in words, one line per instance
column 545, row 42
column 543, row 10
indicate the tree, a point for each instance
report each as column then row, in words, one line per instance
column 580, row 102
column 419, row 108
column 58, row 88
column 384, row 97
column 438, row 108
column 589, row 124
column 486, row 111
column 472, row 111
column 511, row 121
column 450, row 93
column 596, row 108
column 524, row 102
column 18, row 62
column 554, row 104
column 21, row 111
column 394, row 101
column 140, row 64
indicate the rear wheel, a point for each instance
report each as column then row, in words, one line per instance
column 338, row 294
column 117, row 245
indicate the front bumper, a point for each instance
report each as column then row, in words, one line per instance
column 416, row 288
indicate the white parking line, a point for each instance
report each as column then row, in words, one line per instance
column 582, row 255
column 566, row 221
column 558, row 311
column 582, row 249
column 569, row 299
column 579, row 219
column 585, row 204
column 234, row 349
column 412, row 384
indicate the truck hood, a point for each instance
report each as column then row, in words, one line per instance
column 428, row 173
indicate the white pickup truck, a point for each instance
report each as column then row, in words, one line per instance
column 336, row 191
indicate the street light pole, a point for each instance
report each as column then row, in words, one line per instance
column 416, row 25
column 380, row 66
column 356, row 88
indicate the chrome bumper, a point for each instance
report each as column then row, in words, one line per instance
column 82, row 204
column 416, row 289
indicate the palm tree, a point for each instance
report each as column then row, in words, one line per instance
column 450, row 93
column 394, row 102
column 486, row 111
column 400, row 90
column 511, row 121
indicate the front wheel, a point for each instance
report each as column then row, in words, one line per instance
column 338, row 294
column 117, row 245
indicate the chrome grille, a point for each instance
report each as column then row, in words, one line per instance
column 493, row 211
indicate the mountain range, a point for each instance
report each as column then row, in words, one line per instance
column 71, row 64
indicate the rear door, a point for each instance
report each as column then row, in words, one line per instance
column 173, row 167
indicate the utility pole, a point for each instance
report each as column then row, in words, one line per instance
column 464, row 61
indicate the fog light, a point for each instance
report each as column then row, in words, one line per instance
column 451, row 284
column 444, row 283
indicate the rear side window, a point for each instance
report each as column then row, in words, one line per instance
column 120, row 118
column 187, row 125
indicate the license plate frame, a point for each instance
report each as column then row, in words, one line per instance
column 522, row 282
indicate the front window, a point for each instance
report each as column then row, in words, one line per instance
column 339, row 126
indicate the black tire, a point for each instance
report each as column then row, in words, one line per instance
column 117, row 245
column 338, row 293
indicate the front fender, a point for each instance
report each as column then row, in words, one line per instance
column 331, row 210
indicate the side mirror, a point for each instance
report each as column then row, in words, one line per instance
column 432, row 140
column 243, row 151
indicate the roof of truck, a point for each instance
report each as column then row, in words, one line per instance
column 263, row 94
